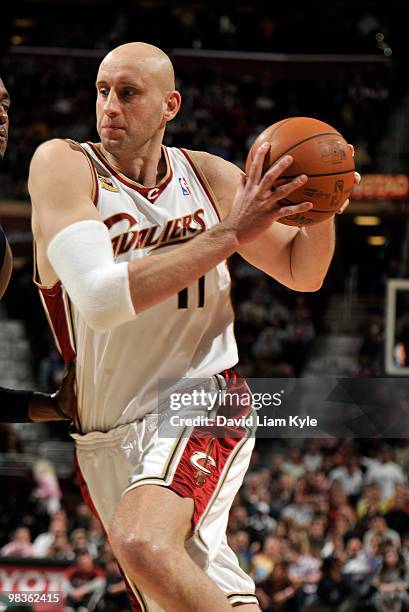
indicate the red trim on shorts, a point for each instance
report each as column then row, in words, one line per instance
column 211, row 452
column 136, row 607
column 201, row 181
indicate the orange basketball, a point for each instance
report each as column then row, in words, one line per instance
column 320, row 152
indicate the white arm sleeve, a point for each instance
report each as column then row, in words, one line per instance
column 82, row 257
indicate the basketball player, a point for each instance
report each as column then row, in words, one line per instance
column 26, row 406
column 131, row 241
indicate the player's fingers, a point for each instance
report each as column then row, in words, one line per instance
column 285, row 211
column 352, row 149
column 256, row 167
column 357, row 178
column 241, row 185
column 281, row 192
column 273, row 173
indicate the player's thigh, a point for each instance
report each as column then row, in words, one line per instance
column 151, row 511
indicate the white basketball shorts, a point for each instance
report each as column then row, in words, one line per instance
column 194, row 463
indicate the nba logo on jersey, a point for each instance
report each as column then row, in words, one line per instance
column 184, row 186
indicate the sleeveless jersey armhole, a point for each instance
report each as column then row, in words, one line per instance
column 95, row 185
column 204, row 182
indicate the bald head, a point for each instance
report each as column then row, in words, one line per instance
column 141, row 56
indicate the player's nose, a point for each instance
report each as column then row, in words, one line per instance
column 111, row 106
column 3, row 115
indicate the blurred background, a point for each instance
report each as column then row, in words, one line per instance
column 321, row 524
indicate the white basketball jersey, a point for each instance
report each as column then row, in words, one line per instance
column 188, row 335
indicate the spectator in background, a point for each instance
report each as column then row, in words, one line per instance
column 115, row 598
column 304, row 571
column 84, row 584
column 265, row 561
column 260, row 523
column 80, row 542
column 349, row 477
column 312, row 457
column 276, row 593
column 294, row 466
column 238, row 518
column 392, row 583
column 20, row 544
column 317, row 531
column 96, row 535
column 385, row 472
column 281, row 493
column 48, row 491
column 298, row 511
column 60, row 549
column 83, row 517
column 58, row 526
column 334, row 591
column 239, row 542
column 371, row 502
column 356, row 564
column 379, row 529
column 397, row 516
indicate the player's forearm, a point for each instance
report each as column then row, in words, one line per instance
column 107, row 293
column 20, row 406
column 44, row 407
column 159, row 277
column 311, row 252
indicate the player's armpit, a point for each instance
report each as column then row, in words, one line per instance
column 222, row 176
column 61, row 186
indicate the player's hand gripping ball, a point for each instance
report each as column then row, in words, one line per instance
column 320, row 152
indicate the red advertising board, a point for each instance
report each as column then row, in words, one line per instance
column 33, row 582
column 382, row 187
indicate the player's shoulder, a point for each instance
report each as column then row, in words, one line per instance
column 56, row 160
column 222, row 176
column 213, row 165
column 57, row 148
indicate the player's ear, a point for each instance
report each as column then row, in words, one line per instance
column 172, row 104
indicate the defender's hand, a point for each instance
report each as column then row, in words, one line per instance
column 65, row 397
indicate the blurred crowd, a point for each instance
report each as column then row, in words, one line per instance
column 321, row 525
column 325, row 526
column 253, row 26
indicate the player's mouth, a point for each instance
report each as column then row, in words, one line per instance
column 113, row 129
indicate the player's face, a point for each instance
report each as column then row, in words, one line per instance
column 130, row 107
column 4, row 119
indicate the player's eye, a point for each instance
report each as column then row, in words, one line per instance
column 128, row 93
column 5, row 108
column 103, row 91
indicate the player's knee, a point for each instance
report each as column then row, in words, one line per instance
column 141, row 553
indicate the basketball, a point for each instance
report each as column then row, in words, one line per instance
column 320, row 152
